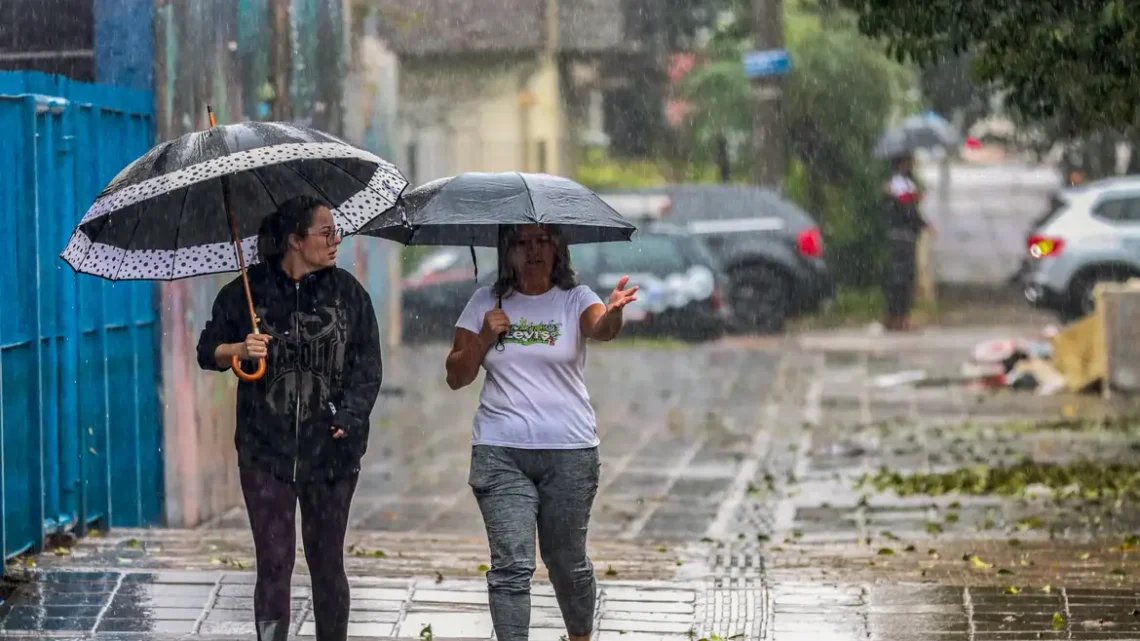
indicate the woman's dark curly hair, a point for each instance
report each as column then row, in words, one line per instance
column 562, row 275
column 294, row 216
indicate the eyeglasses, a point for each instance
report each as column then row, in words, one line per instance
column 329, row 234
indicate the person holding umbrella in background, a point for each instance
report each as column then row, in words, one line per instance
column 303, row 428
column 904, row 225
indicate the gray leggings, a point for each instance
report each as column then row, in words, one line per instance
column 552, row 490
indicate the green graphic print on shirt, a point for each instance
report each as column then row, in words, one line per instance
column 526, row 333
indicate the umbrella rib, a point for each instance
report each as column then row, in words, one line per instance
column 126, row 250
column 256, row 174
column 178, row 231
column 347, row 173
column 302, row 177
column 529, row 197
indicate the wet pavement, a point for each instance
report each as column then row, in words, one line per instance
column 751, row 489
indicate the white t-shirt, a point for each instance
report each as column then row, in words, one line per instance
column 534, row 395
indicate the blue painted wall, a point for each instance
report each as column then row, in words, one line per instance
column 80, row 433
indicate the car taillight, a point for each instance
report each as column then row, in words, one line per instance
column 715, row 301
column 1044, row 246
column 810, row 243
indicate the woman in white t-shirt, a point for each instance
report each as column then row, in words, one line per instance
column 534, row 455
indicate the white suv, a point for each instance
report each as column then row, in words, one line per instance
column 1091, row 234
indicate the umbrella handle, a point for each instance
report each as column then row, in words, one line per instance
column 235, row 365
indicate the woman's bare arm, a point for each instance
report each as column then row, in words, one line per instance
column 466, row 357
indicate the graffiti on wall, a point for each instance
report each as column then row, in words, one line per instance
column 222, row 54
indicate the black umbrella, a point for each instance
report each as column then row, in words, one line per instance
column 186, row 206
column 469, row 209
column 917, row 132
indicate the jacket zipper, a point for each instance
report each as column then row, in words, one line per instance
column 297, row 383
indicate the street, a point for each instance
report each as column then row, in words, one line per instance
column 730, row 505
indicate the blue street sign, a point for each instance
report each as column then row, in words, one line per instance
column 759, row 64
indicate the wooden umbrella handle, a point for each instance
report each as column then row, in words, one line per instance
column 235, row 365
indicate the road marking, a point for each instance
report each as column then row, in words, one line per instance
column 785, row 517
column 751, row 465
column 633, row 529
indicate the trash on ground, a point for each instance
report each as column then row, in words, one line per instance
column 1057, row 360
column 899, row 378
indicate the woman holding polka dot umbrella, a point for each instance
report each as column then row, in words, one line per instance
column 193, row 206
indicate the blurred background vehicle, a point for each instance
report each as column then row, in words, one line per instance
column 770, row 250
column 681, row 296
column 1090, row 234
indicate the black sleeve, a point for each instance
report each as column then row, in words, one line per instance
column 220, row 329
column 364, row 370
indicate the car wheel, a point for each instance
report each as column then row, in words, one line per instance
column 1081, row 302
column 760, row 299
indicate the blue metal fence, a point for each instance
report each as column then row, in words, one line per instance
column 80, row 423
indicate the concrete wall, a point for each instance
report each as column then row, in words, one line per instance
column 982, row 217
column 491, row 114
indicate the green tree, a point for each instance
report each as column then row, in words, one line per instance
column 1070, row 63
column 842, row 91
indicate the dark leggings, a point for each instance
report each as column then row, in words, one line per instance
column 272, row 506
column 901, row 274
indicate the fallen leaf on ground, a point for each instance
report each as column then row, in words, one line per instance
column 980, row 564
column 1058, row 621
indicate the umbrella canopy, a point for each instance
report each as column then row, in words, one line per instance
column 917, row 132
column 469, row 209
column 165, row 216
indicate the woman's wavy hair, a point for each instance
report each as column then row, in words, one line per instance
column 562, row 275
column 294, row 216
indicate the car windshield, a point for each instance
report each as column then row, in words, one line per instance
column 652, row 254
column 452, row 258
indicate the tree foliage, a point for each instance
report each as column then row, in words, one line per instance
column 1071, row 62
column 841, row 93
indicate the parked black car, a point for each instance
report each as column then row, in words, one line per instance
column 681, row 284
column 770, row 250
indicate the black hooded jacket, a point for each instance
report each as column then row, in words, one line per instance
column 323, row 370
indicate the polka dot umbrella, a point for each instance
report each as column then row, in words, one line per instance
column 193, row 206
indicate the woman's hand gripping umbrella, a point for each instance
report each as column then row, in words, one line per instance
column 193, row 206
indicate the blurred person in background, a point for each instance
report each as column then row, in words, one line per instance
column 905, row 224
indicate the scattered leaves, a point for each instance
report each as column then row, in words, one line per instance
column 980, row 564
column 886, row 552
column 483, row 567
column 610, row 571
column 1086, row 478
column 356, row 550
column 426, row 633
column 1058, row 621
